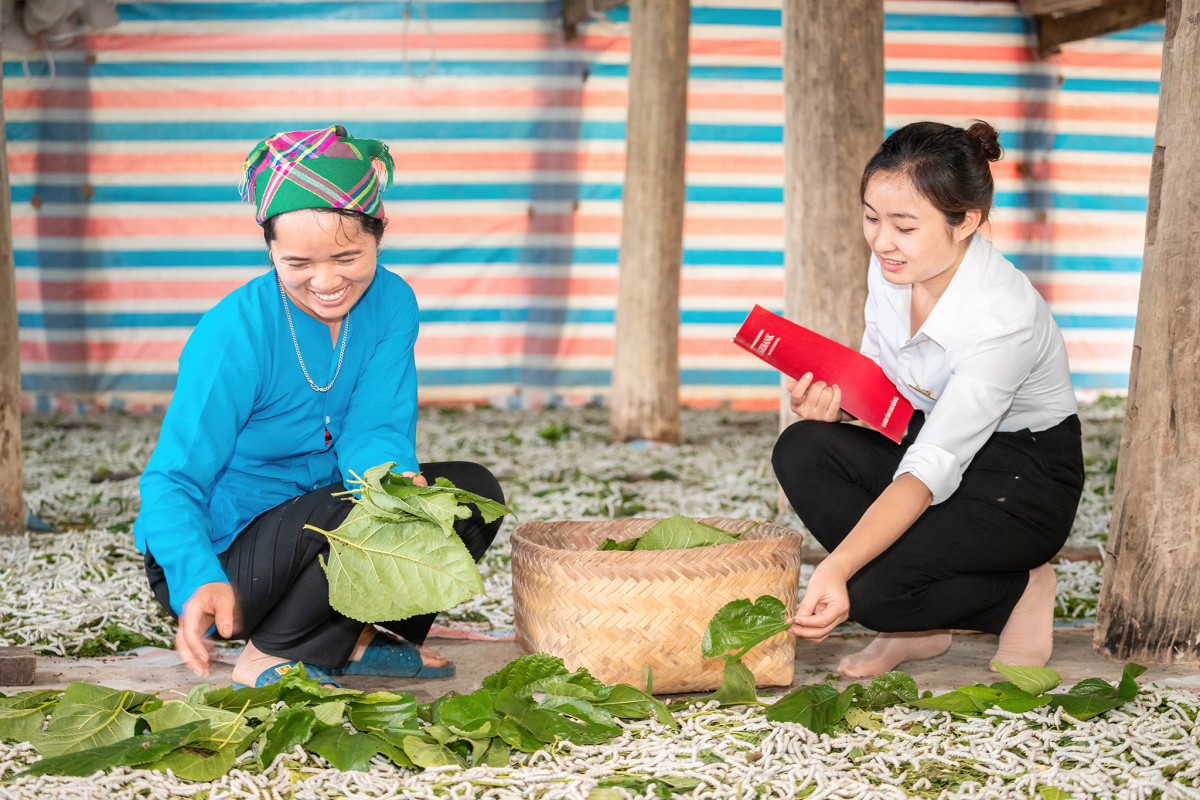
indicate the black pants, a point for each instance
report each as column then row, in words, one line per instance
column 282, row 591
column 965, row 562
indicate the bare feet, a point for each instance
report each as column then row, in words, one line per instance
column 429, row 656
column 888, row 650
column 1028, row 637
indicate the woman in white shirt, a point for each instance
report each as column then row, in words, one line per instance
column 954, row 527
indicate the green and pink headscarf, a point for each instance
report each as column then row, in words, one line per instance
column 317, row 169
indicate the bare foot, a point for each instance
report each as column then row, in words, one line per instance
column 1028, row 637
column 888, row 650
column 429, row 656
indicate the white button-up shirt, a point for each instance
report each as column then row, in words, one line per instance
column 989, row 358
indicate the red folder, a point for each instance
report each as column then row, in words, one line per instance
column 794, row 350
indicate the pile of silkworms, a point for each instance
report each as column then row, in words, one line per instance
column 1148, row 748
column 64, row 591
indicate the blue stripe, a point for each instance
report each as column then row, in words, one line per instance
column 126, row 382
column 507, row 129
column 1150, row 32
column 529, row 192
column 405, row 192
column 330, row 68
column 78, row 320
column 1094, row 321
column 1089, row 202
column 350, row 9
column 1019, row 80
column 391, row 131
column 1100, row 380
column 957, row 24
column 532, row 192
column 124, row 259
column 1048, row 262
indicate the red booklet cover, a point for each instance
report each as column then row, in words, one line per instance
column 794, row 350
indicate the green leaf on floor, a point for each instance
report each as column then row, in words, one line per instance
column 859, row 718
column 817, row 707
column 471, row 715
column 22, row 714
column 526, row 674
column 233, row 699
column 517, row 737
column 1035, row 680
column 383, row 711
column 349, row 752
column 626, row 702
column 430, row 754
column 172, row 714
column 294, row 726
column 89, row 716
column 889, row 689
column 955, row 702
column 737, row 685
column 132, row 752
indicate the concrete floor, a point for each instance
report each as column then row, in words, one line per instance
column 965, row 662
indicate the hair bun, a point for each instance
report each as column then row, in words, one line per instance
column 988, row 139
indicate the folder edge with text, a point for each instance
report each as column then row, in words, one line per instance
column 867, row 393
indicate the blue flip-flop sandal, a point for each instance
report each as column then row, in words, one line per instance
column 393, row 658
column 276, row 673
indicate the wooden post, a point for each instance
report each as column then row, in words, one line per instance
column 833, row 124
column 1149, row 608
column 645, row 381
column 12, row 506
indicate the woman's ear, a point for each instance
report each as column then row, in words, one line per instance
column 969, row 225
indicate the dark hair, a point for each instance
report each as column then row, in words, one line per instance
column 366, row 224
column 948, row 165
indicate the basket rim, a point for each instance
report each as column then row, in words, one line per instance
column 791, row 539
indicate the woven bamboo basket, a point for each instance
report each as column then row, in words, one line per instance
column 615, row 612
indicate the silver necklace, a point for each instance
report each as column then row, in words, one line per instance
column 296, row 342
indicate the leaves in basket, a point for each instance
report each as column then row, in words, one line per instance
column 682, row 533
column 624, row 544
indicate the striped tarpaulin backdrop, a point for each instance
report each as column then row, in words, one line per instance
column 509, row 148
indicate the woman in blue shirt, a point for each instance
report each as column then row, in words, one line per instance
column 287, row 386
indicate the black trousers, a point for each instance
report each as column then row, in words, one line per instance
column 282, row 591
column 965, row 562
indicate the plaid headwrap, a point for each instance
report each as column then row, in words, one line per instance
column 316, row 169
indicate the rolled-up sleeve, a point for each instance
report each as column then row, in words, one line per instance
column 381, row 421
column 973, row 403
column 213, row 399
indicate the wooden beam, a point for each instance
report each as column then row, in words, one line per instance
column 645, row 383
column 1149, row 608
column 1035, row 7
column 577, row 11
column 12, row 505
column 1055, row 30
column 833, row 124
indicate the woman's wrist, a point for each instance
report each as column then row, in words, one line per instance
column 837, row 565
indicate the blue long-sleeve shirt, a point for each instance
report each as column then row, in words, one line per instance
column 245, row 432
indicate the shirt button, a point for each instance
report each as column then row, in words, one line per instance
column 327, row 420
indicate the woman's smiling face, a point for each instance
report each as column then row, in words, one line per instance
column 325, row 261
column 909, row 235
